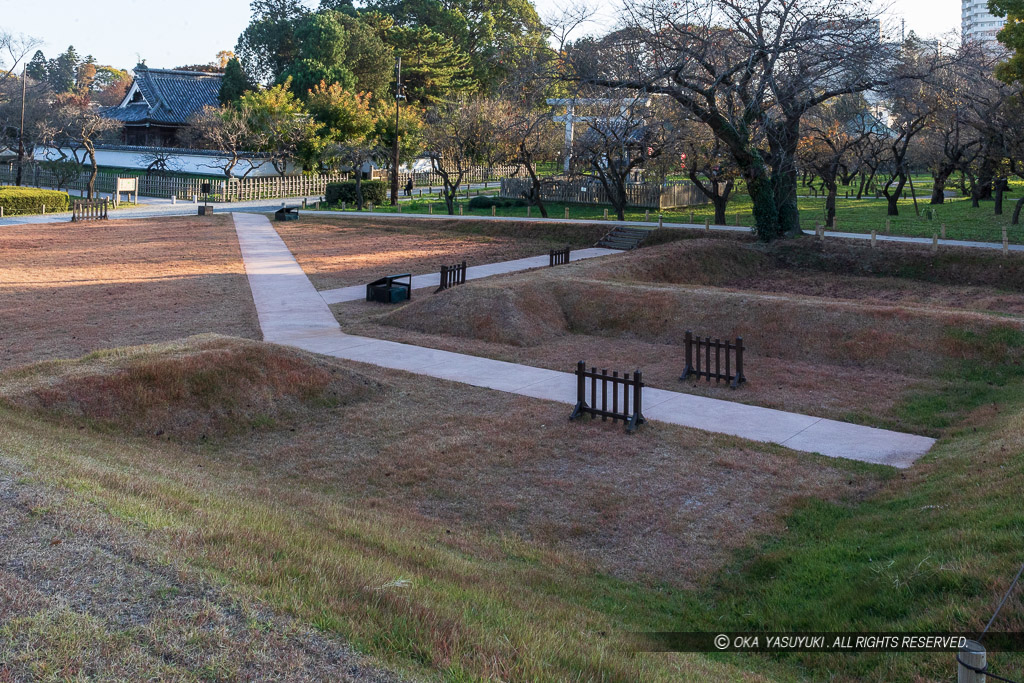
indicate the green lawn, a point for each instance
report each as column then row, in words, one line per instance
column 961, row 221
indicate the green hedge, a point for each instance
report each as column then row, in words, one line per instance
column 19, row 200
column 486, row 202
column 374, row 191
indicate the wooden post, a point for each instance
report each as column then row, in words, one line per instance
column 873, row 234
column 887, row 225
column 661, row 221
column 493, row 211
column 567, row 213
column 343, row 206
column 970, row 657
column 528, row 207
column 935, row 242
column 691, row 216
column 460, row 209
column 1006, row 242
column 430, row 209
column 44, row 208
column 707, row 225
column 606, row 214
column 369, row 207
column 647, row 215
column 943, row 231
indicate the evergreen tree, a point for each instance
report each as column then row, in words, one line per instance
column 235, row 82
column 1012, row 36
column 433, row 67
column 62, row 72
column 37, row 67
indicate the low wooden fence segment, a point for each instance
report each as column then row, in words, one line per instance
column 587, row 191
column 696, row 347
column 630, row 388
column 559, row 257
column 89, row 210
column 452, row 275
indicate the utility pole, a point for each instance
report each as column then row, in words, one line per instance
column 21, row 129
column 399, row 96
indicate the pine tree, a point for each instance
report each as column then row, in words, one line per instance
column 433, row 67
column 37, row 66
column 235, row 82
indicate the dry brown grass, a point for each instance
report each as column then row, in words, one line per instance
column 202, row 388
column 71, row 288
column 337, row 252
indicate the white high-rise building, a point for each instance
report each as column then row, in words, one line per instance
column 977, row 23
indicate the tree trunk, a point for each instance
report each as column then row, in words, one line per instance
column 359, row 188
column 1000, row 184
column 95, row 172
column 1016, row 211
column 939, row 187
column 536, row 185
column 830, row 204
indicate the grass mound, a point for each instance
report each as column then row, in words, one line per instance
column 522, row 315
column 691, row 261
column 202, row 388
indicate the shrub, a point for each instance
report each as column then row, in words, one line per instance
column 19, row 200
column 485, row 202
column 374, row 191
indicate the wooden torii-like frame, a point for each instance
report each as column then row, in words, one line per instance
column 569, row 118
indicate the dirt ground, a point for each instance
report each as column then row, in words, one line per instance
column 70, row 288
column 338, row 253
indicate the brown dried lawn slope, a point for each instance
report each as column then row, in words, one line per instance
column 71, row 288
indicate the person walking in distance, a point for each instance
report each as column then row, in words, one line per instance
column 408, row 187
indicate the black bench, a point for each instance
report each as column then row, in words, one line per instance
column 388, row 290
column 287, row 213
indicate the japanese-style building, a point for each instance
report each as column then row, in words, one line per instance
column 159, row 103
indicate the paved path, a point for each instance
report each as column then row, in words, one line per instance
column 159, row 208
column 292, row 312
column 358, row 292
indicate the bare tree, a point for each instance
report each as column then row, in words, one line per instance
column 78, row 128
column 455, row 135
column 622, row 135
column 710, row 167
column 750, row 70
column 227, row 130
column 835, row 133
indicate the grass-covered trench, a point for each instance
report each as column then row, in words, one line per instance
column 932, row 549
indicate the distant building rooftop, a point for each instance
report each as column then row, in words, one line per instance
column 166, row 97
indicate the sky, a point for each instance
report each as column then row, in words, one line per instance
column 168, row 34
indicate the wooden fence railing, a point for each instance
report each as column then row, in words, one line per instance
column 476, row 174
column 697, row 346
column 587, row 191
column 89, row 210
column 628, row 386
column 452, row 275
column 559, row 256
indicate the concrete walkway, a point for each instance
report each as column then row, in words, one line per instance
column 358, row 292
column 292, row 312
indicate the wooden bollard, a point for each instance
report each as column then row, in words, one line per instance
column 370, row 206
column 398, row 207
column 460, row 209
column 873, row 235
column 691, row 216
column 1006, row 242
column 343, row 206
column 935, row 242
column 943, row 229
column 970, row 657
column 44, row 208
column 430, row 209
column 888, row 225
column 567, row 213
column 661, row 221
column 494, row 210
column 528, row 207
column 606, row 214
column 707, row 225
column 647, row 215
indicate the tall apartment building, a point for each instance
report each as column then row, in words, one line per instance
column 977, row 24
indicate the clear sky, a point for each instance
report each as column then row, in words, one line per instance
column 168, row 33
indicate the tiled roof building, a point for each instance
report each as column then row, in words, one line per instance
column 160, row 101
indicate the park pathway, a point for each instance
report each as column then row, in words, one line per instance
column 292, row 312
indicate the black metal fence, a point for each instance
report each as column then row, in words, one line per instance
column 696, row 347
column 452, row 275
column 89, row 209
column 629, row 387
column 559, row 256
